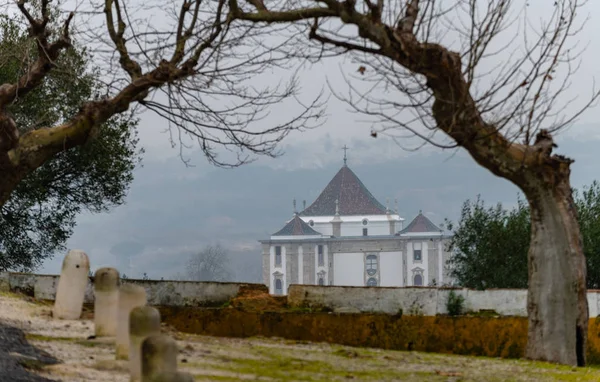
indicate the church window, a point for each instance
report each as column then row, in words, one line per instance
column 365, row 232
column 321, row 281
column 278, row 286
column 321, row 255
column 371, row 265
column 418, row 280
column 372, row 282
column 365, row 222
column 278, row 256
column 417, row 255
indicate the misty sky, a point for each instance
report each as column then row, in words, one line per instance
column 173, row 210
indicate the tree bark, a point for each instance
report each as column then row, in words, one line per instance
column 8, row 182
column 557, row 299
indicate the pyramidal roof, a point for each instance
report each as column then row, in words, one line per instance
column 296, row 227
column 420, row 224
column 352, row 195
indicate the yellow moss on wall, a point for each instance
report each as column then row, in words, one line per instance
column 504, row 337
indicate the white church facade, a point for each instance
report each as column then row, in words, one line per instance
column 346, row 237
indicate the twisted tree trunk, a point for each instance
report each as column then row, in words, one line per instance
column 557, row 299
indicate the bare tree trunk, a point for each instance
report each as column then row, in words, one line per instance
column 557, row 298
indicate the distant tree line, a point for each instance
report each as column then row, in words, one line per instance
column 490, row 244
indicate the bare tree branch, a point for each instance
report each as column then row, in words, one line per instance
column 194, row 69
column 47, row 55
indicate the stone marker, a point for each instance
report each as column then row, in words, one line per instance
column 130, row 296
column 72, row 283
column 144, row 321
column 159, row 357
column 106, row 302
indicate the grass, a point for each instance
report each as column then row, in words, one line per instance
column 266, row 359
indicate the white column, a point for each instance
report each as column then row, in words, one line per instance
column 271, row 269
column 284, row 268
column 425, row 262
column 440, row 262
column 401, row 270
column 316, row 276
column 300, row 265
column 326, row 262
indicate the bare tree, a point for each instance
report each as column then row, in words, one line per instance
column 184, row 61
column 434, row 67
column 210, row 264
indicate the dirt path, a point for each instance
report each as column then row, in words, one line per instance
column 226, row 359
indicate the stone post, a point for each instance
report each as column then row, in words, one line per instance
column 159, row 357
column 106, row 302
column 144, row 321
column 130, row 296
column 72, row 283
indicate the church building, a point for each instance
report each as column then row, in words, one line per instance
column 347, row 237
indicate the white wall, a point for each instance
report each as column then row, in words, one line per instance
column 425, row 301
column 348, row 269
column 166, row 293
column 352, row 225
column 373, row 228
column 390, row 269
column 325, row 229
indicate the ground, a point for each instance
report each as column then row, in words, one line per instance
column 227, row 359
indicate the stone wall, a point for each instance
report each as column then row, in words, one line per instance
column 164, row 293
column 411, row 300
column 415, row 300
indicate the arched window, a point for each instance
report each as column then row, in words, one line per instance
column 321, row 281
column 371, row 265
column 372, row 282
column 278, row 286
column 418, row 280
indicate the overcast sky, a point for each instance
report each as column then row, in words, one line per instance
column 173, row 210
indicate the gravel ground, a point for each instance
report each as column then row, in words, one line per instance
column 16, row 353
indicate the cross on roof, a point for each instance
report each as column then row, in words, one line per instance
column 345, row 148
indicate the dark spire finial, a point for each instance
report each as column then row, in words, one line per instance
column 295, row 207
column 345, row 148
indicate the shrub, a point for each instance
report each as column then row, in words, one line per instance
column 455, row 304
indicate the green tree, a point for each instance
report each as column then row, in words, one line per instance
column 490, row 244
column 40, row 215
column 588, row 209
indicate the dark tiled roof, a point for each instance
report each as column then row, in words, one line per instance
column 296, row 227
column 420, row 224
column 353, row 197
